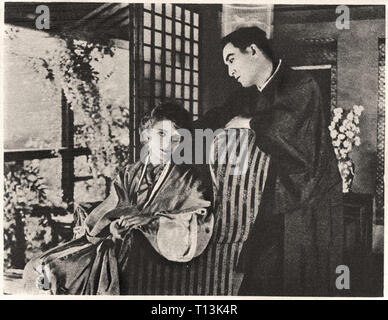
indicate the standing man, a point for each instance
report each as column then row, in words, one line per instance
column 295, row 244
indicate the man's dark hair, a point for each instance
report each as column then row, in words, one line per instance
column 172, row 111
column 244, row 37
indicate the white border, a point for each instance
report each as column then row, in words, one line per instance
column 307, row 2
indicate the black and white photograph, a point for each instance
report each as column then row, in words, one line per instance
column 193, row 149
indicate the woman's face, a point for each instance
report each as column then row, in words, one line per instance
column 162, row 140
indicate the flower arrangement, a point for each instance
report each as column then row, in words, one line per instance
column 345, row 134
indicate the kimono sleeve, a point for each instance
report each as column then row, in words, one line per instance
column 114, row 206
column 291, row 129
column 241, row 101
column 180, row 237
column 211, row 120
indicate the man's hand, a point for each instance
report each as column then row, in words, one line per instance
column 239, row 123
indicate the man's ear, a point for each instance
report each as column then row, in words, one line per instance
column 249, row 50
column 254, row 50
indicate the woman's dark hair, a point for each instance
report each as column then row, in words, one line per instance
column 244, row 37
column 169, row 111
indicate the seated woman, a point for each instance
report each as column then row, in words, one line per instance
column 167, row 203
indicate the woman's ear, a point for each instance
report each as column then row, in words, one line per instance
column 145, row 136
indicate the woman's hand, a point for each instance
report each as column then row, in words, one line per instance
column 138, row 221
column 119, row 227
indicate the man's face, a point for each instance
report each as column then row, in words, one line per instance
column 243, row 66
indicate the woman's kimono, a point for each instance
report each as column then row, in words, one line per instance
column 96, row 264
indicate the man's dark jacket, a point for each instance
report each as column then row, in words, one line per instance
column 296, row 242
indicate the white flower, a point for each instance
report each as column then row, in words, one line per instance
column 342, row 129
column 348, row 148
column 346, row 123
column 346, row 144
column 341, row 136
column 334, row 134
column 343, row 153
column 338, row 111
column 331, row 127
column 336, row 143
column 357, row 141
column 80, row 42
column 350, row 134
column 350, row 116
column 356, row 120
column 358, row 109
column 336, row 119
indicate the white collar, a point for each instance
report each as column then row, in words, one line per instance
column 270, row 78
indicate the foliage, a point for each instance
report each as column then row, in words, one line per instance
column 99, row 123
column 76, row 68
column 73, row 68
column 24, row 233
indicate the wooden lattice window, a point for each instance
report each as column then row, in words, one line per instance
column 171, row 55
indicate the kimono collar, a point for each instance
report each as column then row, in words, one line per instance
column 163, row 174
column 274, row 80
column 271, row 77
column 151, row 172
column 266, row 97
